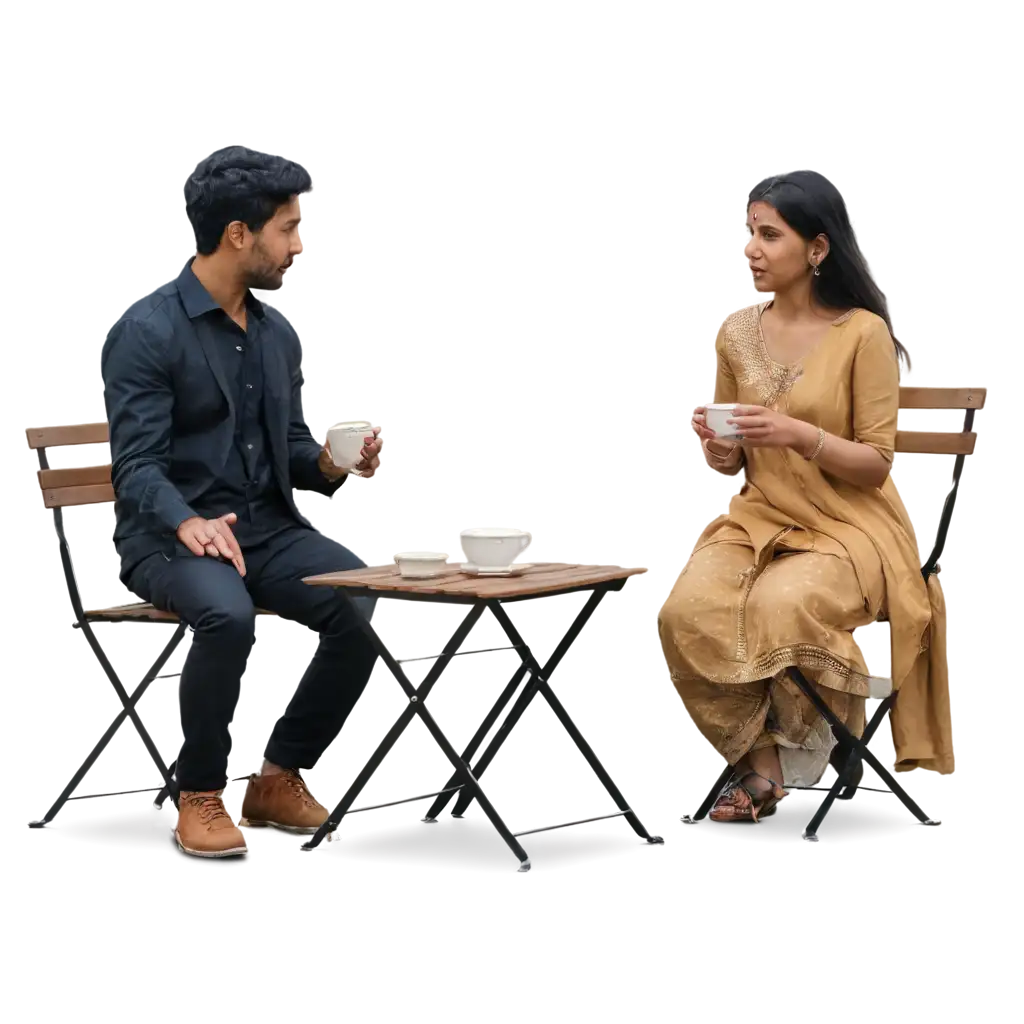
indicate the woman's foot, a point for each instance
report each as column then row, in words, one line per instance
column 748, row 798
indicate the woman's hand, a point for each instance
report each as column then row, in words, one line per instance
column 699, row 424
column 765, row 428
column 722, row 455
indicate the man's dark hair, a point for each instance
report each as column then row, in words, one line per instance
column 236, row 183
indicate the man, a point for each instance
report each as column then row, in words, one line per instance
column 203, row 394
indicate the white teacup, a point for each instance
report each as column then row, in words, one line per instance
column 715, row 419
column 492, row 547
column 347, row 441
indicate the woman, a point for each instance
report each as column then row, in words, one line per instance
column 817, row 542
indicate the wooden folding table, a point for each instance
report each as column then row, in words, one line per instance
column 480, row 594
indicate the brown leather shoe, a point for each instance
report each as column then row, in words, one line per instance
column 205, row 829
column 281, row 800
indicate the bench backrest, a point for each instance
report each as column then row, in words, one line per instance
column 81, row 486
column 945, row 443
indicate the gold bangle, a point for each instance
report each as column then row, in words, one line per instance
column 817, row 448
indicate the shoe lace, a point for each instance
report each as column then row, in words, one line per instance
column 209, row 806
column 296, row 783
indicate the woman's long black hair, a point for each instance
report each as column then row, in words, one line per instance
column 811, row 205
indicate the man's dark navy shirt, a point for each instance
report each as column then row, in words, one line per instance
column 247, row 487
column 205, row 418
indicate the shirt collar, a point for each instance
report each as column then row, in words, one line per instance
column 197, row 300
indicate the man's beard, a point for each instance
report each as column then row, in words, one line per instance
column 267, row 276
column 263, row 280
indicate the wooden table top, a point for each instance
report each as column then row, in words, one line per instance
column 538, row 578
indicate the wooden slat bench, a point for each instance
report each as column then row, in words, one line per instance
column 130, row 757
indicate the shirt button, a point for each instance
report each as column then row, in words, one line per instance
column 249, row 386
column 239, row 348
column 249, row 446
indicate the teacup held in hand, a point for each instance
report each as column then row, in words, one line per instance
column 715, row 418
column 346, row 441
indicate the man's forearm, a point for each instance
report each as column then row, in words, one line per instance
column 144, row 486
column 304, row 469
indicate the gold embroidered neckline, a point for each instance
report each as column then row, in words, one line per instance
column 752, row 365
column 796, row 364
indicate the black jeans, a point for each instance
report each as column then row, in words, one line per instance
column 220, row 606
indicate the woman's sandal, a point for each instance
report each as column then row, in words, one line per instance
column 737, row 803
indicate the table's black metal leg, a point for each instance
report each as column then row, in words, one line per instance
column 399, row 729
column 475, row 801
column 164, row 793
column 409, row 725
column 356, row 788
column 515, row 692
column 462, row 774
column 566, row 644
column 415, row 721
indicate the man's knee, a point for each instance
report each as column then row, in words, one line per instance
column 335, row 557
column 345, row 614
column 233, row 622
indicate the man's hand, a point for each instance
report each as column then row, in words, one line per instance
column 213, row 537
column 366, row 467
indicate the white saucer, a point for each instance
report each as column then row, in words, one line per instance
column 492, row 570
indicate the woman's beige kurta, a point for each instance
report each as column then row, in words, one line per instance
column 803, row 558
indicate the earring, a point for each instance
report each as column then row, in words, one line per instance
column 817, row 270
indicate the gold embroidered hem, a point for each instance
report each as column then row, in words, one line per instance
column 731, row 628
column 830, row 670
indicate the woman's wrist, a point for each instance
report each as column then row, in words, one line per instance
column 721, row 451
column 806, row 442
column 725, row 461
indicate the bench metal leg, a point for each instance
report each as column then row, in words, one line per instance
column 126, row 738
column 858, row 750
column 130, row 757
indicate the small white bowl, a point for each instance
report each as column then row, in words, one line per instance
column 413, row 565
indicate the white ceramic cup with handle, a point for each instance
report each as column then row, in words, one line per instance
column 347, row 441
column 491, row 549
